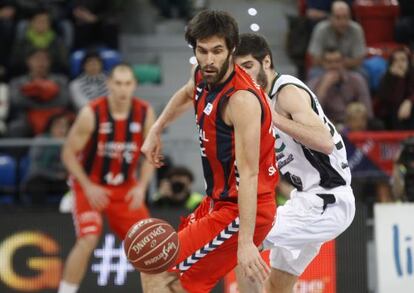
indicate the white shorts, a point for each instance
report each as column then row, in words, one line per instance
column 302, row 226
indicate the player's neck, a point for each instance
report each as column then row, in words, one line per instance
column 271, row 76
column 119, row 109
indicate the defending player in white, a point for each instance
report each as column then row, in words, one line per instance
column 312, row 157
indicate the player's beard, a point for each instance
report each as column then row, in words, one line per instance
column 262, row 78
column 214, row 79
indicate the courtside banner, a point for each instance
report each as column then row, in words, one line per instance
column 372, row 154
column 320, row 276
column 394, row 240
column 33, row 248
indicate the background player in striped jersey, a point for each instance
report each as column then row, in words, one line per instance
column 101, row 153
column 312, row 157
column 238, row 163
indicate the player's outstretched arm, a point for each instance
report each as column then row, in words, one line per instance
column 247, row 146
column 179, row 103
column 305, row 126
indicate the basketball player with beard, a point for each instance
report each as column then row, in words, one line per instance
column 233, row 121
column 312, row 157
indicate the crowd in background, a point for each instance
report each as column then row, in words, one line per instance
column 40, row 92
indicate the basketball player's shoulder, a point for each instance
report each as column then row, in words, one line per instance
column 243, row 81
column 140, row 102
column 93, row 104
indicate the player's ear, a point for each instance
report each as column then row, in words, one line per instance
column 267, row 62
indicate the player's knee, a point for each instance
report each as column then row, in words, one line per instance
column 161, row 283
column 88, row 242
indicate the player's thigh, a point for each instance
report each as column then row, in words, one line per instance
column 209, row 249
column 167, row 282
column 121, row 217
column 87, row 221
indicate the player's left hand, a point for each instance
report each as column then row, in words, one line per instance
column 135, row 197
column 251, row 263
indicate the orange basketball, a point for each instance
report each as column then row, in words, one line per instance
column 151, row 245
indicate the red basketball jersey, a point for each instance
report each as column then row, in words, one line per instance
column 112, row 152
column 217, row 138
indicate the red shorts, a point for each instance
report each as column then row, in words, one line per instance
column 120, row 217
column 208, row 241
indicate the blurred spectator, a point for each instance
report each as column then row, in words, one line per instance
column 317, row 10
column 35, row 96
column 7, row 24
column 47, row 175
column 4, row 107
column 341, row 32
column 403, row 172
column 96, row 24
column 171, row 8
column 91, row 83
column 338, row 86
column 59, row 11
column 404, row 28
column 40, row 35
column 396, row 92
column 356, row 119
column 175, row 190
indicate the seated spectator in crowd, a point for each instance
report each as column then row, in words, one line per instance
column 35, row 96
column 396, row 92
column 4, row 108
column 356, row 119
column 7, row 24
column 47, row 175
column 175, row 190
column 338, row 86
column 40, row 35
column 404, row 27
column 341, row 32
column 91, row 83
column 96, row 24
column 59, row 12
column 317, row 10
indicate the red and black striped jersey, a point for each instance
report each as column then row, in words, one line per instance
column 217, row 138
column 111, row 155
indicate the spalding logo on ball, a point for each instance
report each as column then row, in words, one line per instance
column 151, row 245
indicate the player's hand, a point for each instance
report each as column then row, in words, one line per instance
column 251, row 263
column 98, row 196
column 152, row 148
column 135, row 197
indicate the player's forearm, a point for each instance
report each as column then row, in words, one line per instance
column 316, row 138
column 177, row 105
column 73, row 166
column 146, row 173
column 247, row 201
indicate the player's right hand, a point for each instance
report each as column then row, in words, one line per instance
column 251, row 263
column 152, row 148
column 98, row 196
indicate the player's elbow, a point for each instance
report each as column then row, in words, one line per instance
column 65, row 154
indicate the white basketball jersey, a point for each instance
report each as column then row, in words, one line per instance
column 306, row 169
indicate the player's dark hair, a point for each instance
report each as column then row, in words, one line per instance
column 256, row 45
column 180, row 171
column 209, row 23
